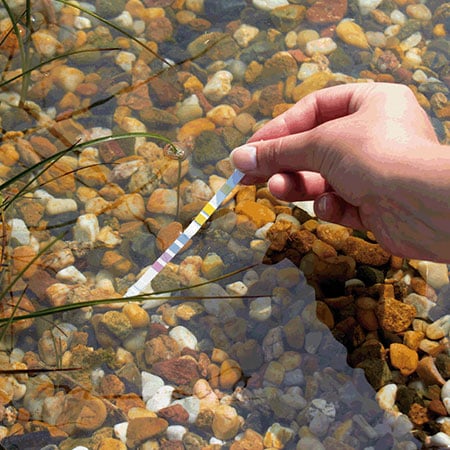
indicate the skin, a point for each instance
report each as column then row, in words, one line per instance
column 368, row 156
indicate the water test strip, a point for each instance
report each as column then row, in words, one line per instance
column 142, row 285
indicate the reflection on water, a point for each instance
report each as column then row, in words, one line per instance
column 271, row 356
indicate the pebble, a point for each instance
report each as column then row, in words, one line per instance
column 226, row 422
column 56, row 206
column 352, row 34
column 421, row 303
column 435, row 274
column 162, row 398
column 386, row 396
column 261, row 309
column 183, row 337
column 189, row 109
column 71, row 275
column 45, row 43
column 277, row 436
column 218, row 86
column 403, row 358
column 150, row 385
column 222, row 115
column 192, row 405
column 269, row 5
column 367, row 6
column 323, row 46
column 86, row 228
column 439, row 329
column 19, row 231
column 245, row 34
column 440, row 439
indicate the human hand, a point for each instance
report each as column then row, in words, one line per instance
column 369, row 157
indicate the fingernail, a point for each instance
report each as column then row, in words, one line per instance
column 322, row 206
column 244, row 158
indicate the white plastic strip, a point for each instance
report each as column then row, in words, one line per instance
column 143, row 284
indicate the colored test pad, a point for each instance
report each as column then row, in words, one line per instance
column 142, row 285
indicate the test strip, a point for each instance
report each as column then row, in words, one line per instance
column 142, row 285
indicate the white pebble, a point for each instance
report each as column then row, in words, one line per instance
column 218, row 86
column 392, row 30
column 261, row 233
column 245, row 34
column 57, row 206
column 386, row 396
column 435, row 274
column 86, row 229
column 71, row 275
column 189, row 109
column 236, row 288
column 42, row 196
column 307, row 69
column 150, row 385
column 175, row 432
column 411, row 41
column 323, row 46
column 261, row 309
column 125, row 60
column 125, row 20
column 419, row 76
column 445, row 390
column 19, row 231
column 440, row 440
column 312, row 341
column 412, row 59
column 367, row 6
column 138, row 27
column 120, row 431
column 191, row 405
column 439, row 328
column 397, row 17
column 184, row 337
column 287, row 218
column 82, row 23
column 268, row 5
column 161, row 398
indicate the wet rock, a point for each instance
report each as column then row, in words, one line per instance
column 365, row 252
column 216, row 10
column 209, row 148
column 323, row 12
column 428, row 372
column 403, row 358
column 218, row 86
column 163, row 201
column 144, row 428
column 278, row 436
column 435, row 274
column 226, row 422
column 352, row 34
column 129, row 207
column 177, row 370
column 256, row 212
column 394, row 315
column 175, row 414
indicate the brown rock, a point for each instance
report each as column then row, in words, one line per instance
column 269, row 97
column 333, row 234
column 161, row 348
column 418, row 414
column 174, row 414
column 167, row 236
column 22, row 256
column 394, row 315
column 403, row 358
column 324, row 12
column 183, row 370
column 412, row 339
column 230, row 373
column 256, row 212
column 117, row 263
column 302, row 240
column 250, row 441
column 365, row 252
column 367, row 318
column 163, row 201
column 278, row 235
column 226, row 422
column 142, row 429
column 324, row 314
column 428, row 372
column 81, row 412
column 165, row 91
column 111, row 386
column 437, row 407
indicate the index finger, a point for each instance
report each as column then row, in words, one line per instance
column 313, row 110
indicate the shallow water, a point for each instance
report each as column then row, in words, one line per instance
column 115, row 205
